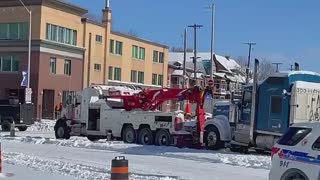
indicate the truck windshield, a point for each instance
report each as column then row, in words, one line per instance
column 294, row 135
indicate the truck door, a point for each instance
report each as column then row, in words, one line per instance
column 242, row 130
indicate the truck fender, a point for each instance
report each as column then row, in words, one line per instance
column 221, row 122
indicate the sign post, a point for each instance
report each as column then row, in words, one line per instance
column 28, row 95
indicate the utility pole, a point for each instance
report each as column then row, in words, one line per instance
column 212, row 7
column 250, row 44
column 277, row 66
column 195, row 27
column 184, row 57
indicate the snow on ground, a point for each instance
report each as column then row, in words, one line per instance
column 16, row 172
column 79, row 158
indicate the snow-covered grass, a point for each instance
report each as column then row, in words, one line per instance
column 76, row 170
column 223, row 156
column 80, row 158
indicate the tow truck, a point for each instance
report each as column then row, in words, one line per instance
column 110, row 112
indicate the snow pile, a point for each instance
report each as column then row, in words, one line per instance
column 76, row 170
column 43, row 126
column 223, row 156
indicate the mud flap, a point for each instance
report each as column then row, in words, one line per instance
column 27, row 114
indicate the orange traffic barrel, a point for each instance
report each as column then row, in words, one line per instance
column 119, row 168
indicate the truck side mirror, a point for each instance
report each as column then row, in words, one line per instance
column 285, row 93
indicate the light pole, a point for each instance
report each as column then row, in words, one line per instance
column 250, row 44
column 212, row 7
column 28, row 100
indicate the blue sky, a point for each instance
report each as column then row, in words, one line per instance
column 285, row 31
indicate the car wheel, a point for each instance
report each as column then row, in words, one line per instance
column 129, row 134
column 162, row 138
column 212, row 138
column 294, row 174
column 62, row 130
column 5, row 126
column 145, row 136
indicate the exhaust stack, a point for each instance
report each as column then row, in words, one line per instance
column 296, row 66
column 254, row 93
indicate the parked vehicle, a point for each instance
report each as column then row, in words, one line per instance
column 11, row 111
column 297, row 154
column 131, row 115
column 267, row 109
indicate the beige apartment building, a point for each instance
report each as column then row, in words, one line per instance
column 120, row 59
column 70, row 52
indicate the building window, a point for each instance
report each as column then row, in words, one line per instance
column 110, row 72
column 154, row 79
column 134, row 52
column 61, row 34
column 9, row 64
column 67, row 67
column 118, row 47
column 133, row 76
column 160, row 80
column 117, row 74
column 97, row 67
column 161, row 57
column 141, row 77
column 142, row 53
column 53, row 65
column 111, row 48
column 98, row 38
column 14, row 31
column 155, row 56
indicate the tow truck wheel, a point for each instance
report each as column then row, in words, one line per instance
column 5, row 126
column 212, row 138
column 145, row 137
column 22, row 128
column 93, row 138
column 129, row 135
column 62, row 130
column 162, row 138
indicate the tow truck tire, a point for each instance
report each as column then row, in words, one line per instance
column 5, row 126
column 22, row 128
column 212, row 138
column 93, row 138
column 61, row 129
column 145, row 137
column 162, row 138
column 129, row 134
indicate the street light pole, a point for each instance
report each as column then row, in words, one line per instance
column 29, row 51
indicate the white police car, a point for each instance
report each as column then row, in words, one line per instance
column 296, row 156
